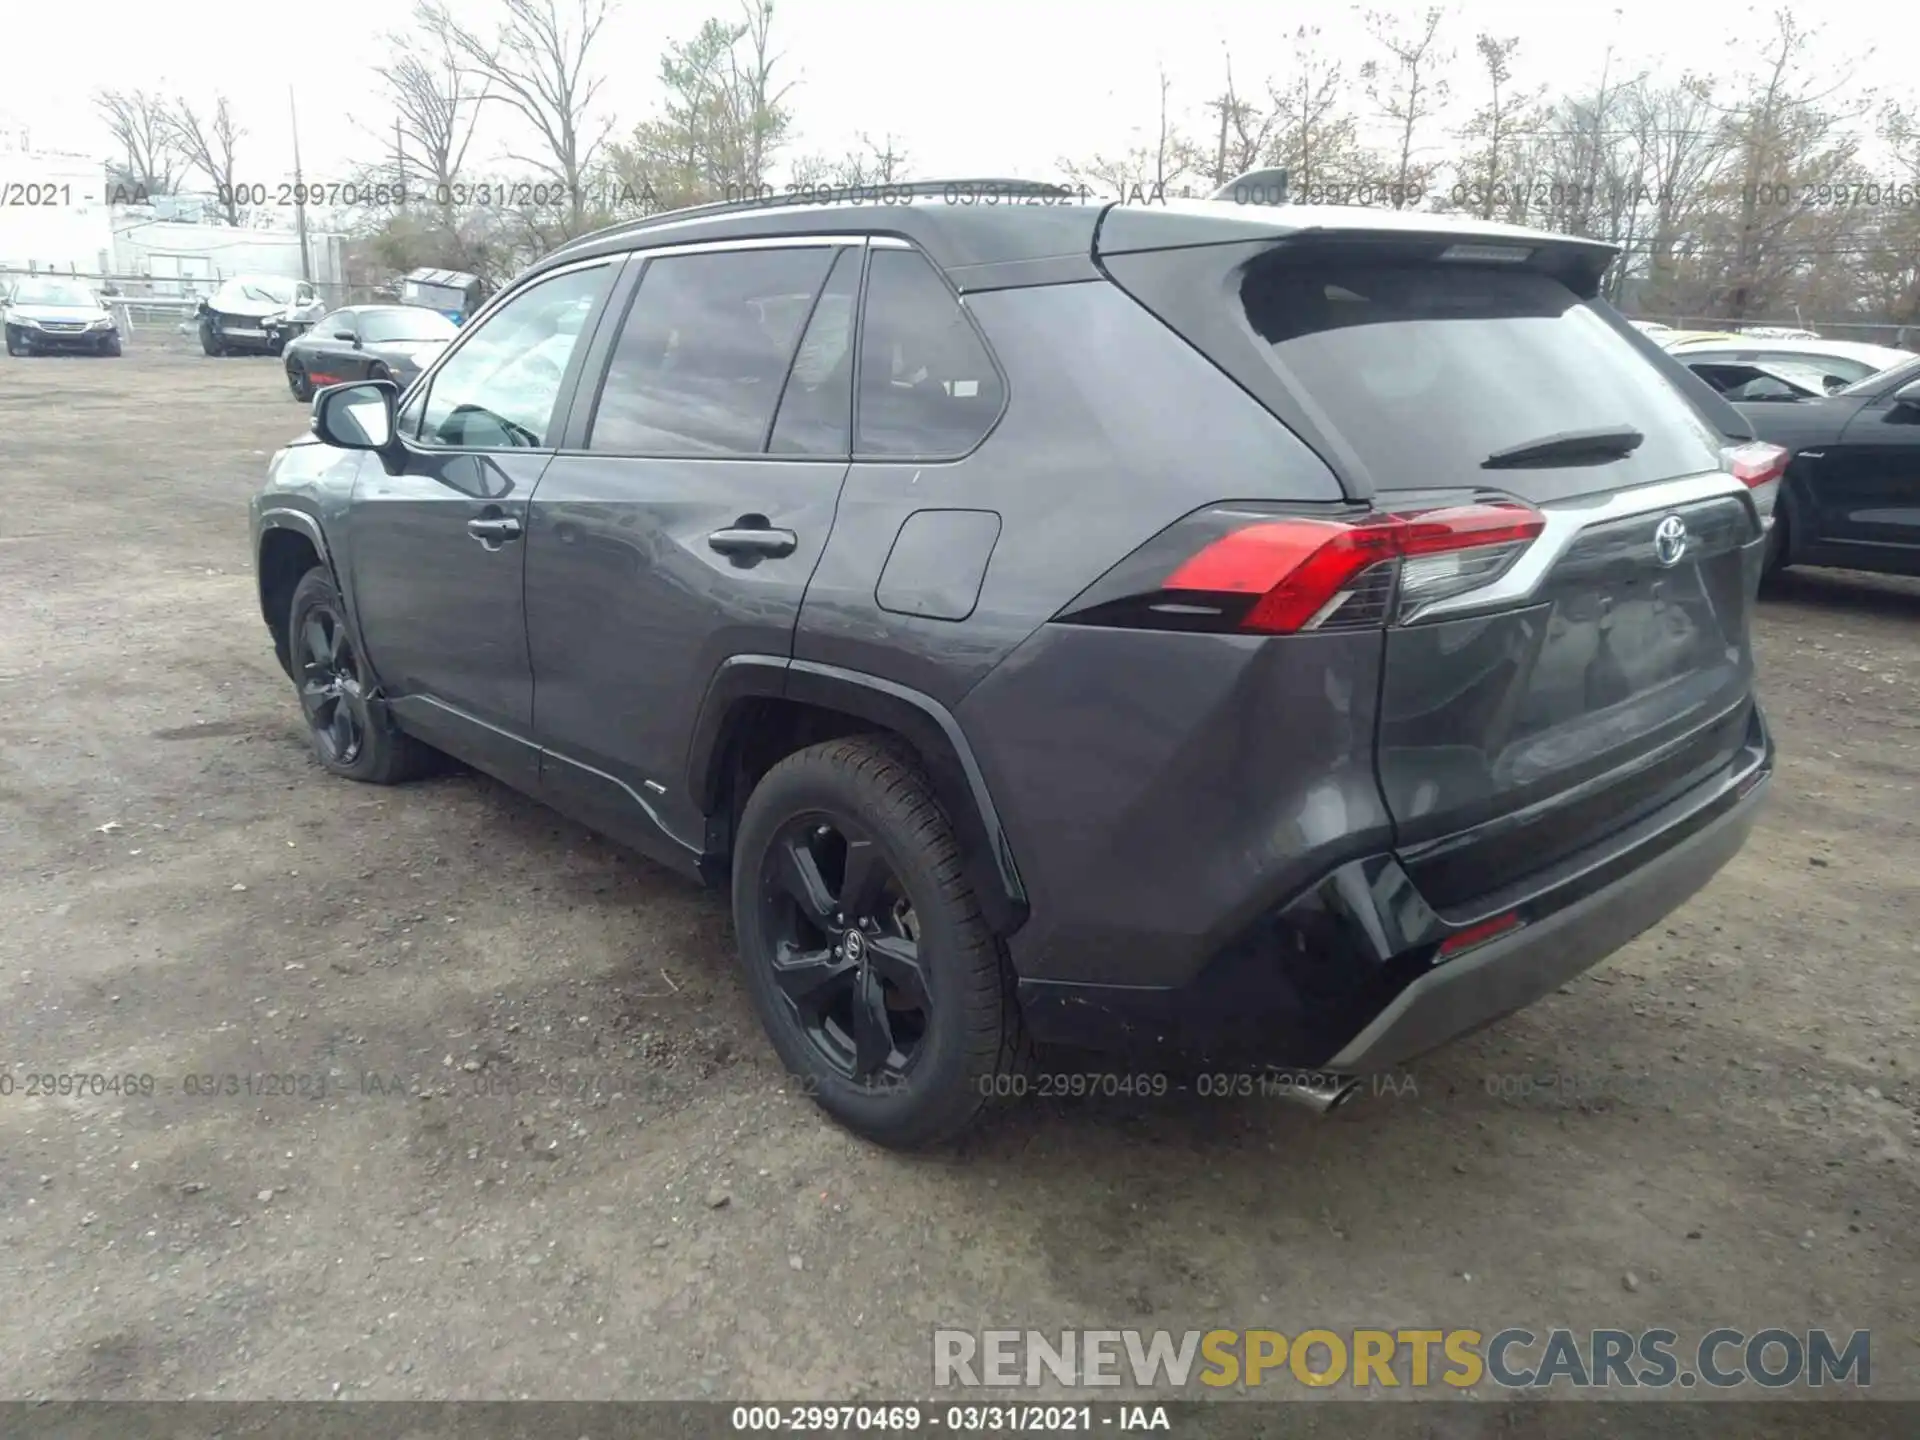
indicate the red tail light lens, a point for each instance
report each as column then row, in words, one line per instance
column 1280, row 575
column 1756, row 464
column 1759, row 466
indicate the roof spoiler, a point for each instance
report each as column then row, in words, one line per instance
column 1256, row 187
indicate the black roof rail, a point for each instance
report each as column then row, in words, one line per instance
column 825, row 194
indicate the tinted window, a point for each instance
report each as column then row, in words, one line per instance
column 326, row 325
column 1426, row 370
column 927, row 384
column 704, row 351
column 816, row 408
column 497, row 391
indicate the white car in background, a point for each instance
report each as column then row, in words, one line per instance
column 1838, row 363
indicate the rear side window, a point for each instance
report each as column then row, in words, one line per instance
column 1426, row 370
column 707, row 343
column 928, row 388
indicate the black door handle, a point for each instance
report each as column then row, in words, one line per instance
column 494, row 532
column 754, row 540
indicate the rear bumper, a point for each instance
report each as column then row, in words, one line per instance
column 1349, row 978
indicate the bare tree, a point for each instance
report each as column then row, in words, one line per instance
column 1316, row 136
column 1245, row 132
column 1408, row 89
column 148, row 157
column 438, row 103
column 1786, row 141
column 207, row 145
column 1146, row 173
column 538, row 63
column 1488, row 172
column 722, row 119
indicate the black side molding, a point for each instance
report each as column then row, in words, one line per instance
column 923, row 721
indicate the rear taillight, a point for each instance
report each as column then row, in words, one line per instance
column 1279, row 575
column 1760, row 467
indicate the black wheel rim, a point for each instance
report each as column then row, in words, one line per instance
column 331, row 693
column 844, row 949
column 296, row 382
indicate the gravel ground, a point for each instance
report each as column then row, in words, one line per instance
column 535, row 1145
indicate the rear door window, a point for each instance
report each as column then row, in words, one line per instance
column 1426, row 370
column 928, row 387
column 705, row 350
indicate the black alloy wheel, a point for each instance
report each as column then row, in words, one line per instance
column 845, row 948
column 332, row 695
column 299, row 383
column 880, row 983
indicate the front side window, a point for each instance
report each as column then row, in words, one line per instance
column 704, row 352
column 498, row 391
column 405, row 323
column 927, row 385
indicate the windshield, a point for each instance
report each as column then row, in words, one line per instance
column 264, row 290
column 53, row 292
column 1879, row 379
column 377, row 326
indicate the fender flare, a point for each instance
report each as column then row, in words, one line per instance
column 923, row 721
column 300, row 522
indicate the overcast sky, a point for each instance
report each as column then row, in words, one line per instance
column 992, row 87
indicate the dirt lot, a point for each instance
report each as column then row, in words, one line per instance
column 1719, row 1126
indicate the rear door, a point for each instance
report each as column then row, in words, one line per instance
column 1573, row 682
column 682, row 521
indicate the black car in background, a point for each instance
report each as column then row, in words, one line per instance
column 366, row 342
column 252, row 314
column 1851, row 497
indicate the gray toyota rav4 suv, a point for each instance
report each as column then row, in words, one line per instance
column 1259, row 635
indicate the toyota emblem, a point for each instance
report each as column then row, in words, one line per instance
column 1670, row 540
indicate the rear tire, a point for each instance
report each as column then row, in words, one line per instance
column 379, row 372
column 950, row 1034
column 351, row 738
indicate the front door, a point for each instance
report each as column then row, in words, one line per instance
column 684, row 522
column 1872, row 478
column 437, row 538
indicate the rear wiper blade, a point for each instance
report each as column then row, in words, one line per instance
column 1570, row 447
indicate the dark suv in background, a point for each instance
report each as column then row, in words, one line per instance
column 1234, row 634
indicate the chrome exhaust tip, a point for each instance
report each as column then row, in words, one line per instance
column 1316, row 1091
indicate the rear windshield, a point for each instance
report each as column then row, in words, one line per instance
column 1426, row 370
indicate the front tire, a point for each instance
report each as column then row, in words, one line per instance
column 111, row 348
column 210, row 343
column 17, row 343
column 875, row 975
column 299, row 383
column 351, row 737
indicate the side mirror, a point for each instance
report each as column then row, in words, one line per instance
column 1908, row 396
column 1834, row 383
column 356, row 417
column 346, row 335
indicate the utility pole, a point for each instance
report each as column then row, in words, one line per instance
column 299, row 193
column 399, row 162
